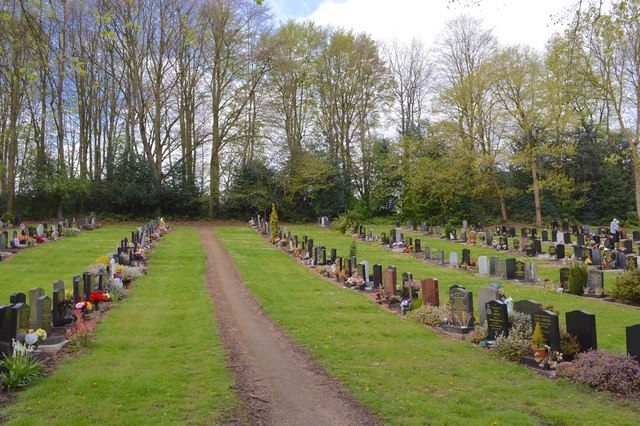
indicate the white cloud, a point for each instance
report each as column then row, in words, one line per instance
column 513, row 22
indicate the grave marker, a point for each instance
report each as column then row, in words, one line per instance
column 549, row 326
column 43, row 314
column 497, row 319
column 527, row 306
column 430, row 295
column 34, row 294
column 486, row 295
column 389, row 281
column 582, row 324
column 633, row 341
column 595, row 284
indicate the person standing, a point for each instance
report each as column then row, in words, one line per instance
column 614, row 229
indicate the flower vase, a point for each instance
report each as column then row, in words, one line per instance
column 68, row 318
column 539, row 354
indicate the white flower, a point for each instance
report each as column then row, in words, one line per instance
column 30, row 339
column 79, row 305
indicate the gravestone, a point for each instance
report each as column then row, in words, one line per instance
column 579, row 252
column 489, row 236
column 545, row 235
column 504, row 242
column 497, row 319
column 34, row 294
column 501, row 268
column 633, row 341
column 636, row 235
column 565, row 226
column 20, row 319
column 440, row 255
column 523, row 233
column 466, row 257
column 560, row 251
column 76, row 289
column 43, row 314
column 531, row 271
column 334, row 255
column 582, row 324
column 564, row 278
column 519, row 270
column 365, row 264
column 389, row 281
column 392, row 236
column 628, row 246
column 513, row 232
column 87, row 287
column 418, row 248
column 483, row 265
column 485, row 295
column 567, row 238
column 430, row 294
column 510, row 268
column 537, row 246
column 361, row 272
column 492, row 265
column 596, row 257
column 377, row 275
column 462, row 320
column 549, row 326
column 595, row 284
column 552, row 250
column 16, row 298
column 453, row 259
column 383, row 238
column 3, row 240
column 526, row 306
column 5, row 322
column 609, row 259
column 427, row 253
column 580, row 239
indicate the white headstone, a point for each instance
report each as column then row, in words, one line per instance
column 560, row 237
column 483, row 265
column 366, row 271
column 40, row 230
column 531, row 271
column 453, row 259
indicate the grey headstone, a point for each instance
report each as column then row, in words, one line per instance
column 453, row 259
column 485, row 295
column 483, row 265
column 34, row 294
column 43, row 314
column 527, row 306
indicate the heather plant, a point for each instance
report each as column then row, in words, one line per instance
column 604, row 371
column 627, row 286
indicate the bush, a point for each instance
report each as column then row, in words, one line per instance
column 518, row 344
column 569, row 344
column 604, row 371
column 478, row 334
column 577, row 278
column 627, row 286
column 8, row 217
column 429, row 315
column 20, row 370
column 348, row 220
column 273, row 220
column 447, row 230
column 353, row 249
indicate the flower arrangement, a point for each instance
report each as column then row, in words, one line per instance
column 99, row 296
column 39, row 239
column 83, row 306
column 409, row 249
column 34, row 338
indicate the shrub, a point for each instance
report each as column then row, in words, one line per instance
column 478, row 334
column 104, row 260
column 604, row 371
column 577, row 278
column 518, row 343
column 429, row 315
column 569, row 344
column 353, row 249
column 627, row 286
column 447, row 230
column 8, row 217
column 348, row 220
column 273, row 220
column 81, row 334
column 538, row 339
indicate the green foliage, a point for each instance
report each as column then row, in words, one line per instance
column 8, row 217
column 353, row 249
column 578, row 275
column 511, row 348
column 538, row 339
column 447, row 230
column 20, row 369
column 273, row 220
column 569, row 344
column 429, row 315
column 479, row 333
column 627, row 286
column 348, row 220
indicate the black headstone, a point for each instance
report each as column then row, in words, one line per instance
column 377, row 275
column 633, row 341
column 497, row 319
column 18, row 298
column 466, row 256
column 510, row 269
column 519, row 270
column 76, row 288
column 583, row 325
column 527, row 306
column 560, row 251
column 564, row 278
column 545, row 235
column 550, row 327
column 537, row 246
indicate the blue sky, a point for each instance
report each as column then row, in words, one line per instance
column 513, row 22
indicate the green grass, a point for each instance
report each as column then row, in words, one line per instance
column 404, row 372
column 40, row 266
column 611, row 319
column 157, row 357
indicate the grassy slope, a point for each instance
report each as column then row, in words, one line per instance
column 157, row 358
column 405, row 373
column 611, row 319
column 60, row 260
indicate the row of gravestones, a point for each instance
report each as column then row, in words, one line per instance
column 263, row 225
column 495, row 313
column 595, row 282
column 510, row 269
column 44, row 312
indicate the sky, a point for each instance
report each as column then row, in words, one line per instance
column 529, row 22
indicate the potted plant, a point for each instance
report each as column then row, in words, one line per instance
column 538, row 344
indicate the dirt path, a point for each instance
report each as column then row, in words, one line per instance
column 276, row 381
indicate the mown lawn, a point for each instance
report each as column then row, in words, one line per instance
column 404, row 372
column 157, row 358
column 611, row 319
column 40, row 266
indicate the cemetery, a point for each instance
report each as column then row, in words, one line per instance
column 278, row 212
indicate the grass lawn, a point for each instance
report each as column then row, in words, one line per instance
column 404, row 372
column 59, row 260
column 157, row 358
column 611, row 319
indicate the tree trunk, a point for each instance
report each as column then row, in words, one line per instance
column 636, row 172
column 536, row 193
column 503, row 206
column 214, row 182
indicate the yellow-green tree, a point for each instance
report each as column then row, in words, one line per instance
column 273, row 220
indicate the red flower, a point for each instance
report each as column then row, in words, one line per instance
column 97, row 296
